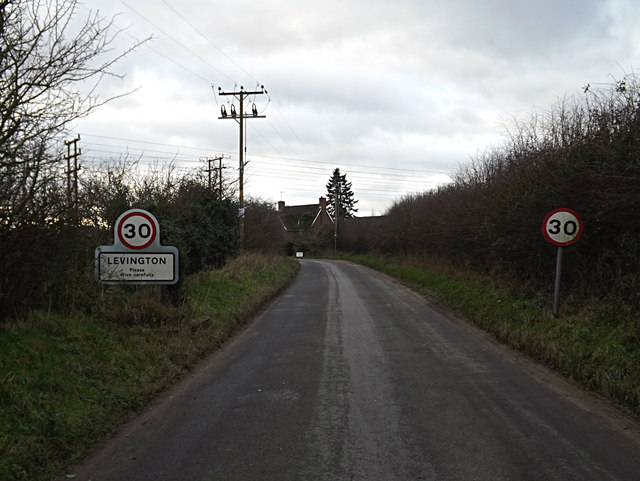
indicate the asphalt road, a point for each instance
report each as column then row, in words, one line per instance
column 349, row 376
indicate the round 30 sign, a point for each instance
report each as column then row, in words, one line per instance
column 136, row 256
column 137, row 230
column 562, row 227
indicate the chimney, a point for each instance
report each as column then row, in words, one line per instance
column 280, row 205
column 323, row 203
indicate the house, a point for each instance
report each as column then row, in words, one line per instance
column 299, row 219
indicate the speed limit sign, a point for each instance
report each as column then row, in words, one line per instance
column 137, row 229
column 562, row 227
column 136, row 256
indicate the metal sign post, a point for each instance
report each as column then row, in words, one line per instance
column 561, row 227
column 556, row 293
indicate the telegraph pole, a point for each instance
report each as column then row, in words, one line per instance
column 72, row 189
column 335, row 217
column 210, row 169
column 240, row 118
column 220, row 168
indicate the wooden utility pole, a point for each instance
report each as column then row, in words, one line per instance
column 335, row 217
column 210, row 169
column 72, row 187
column 240, row 118
column 220, row 177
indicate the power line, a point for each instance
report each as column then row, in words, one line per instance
column 266, row 156
column 209, row 41
column 168, row 35
column 178, row 64
column 276, row 171
column 241, row 119
column 279, row 156
column 364, row 180
column 190, row 24
column 294, row 132
column 157, row 52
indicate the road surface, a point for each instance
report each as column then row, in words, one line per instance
column 349, row 376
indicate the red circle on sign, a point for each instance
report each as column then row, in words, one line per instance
column 152, row 237
column 574, row 235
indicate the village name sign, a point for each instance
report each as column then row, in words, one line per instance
column 136, row 256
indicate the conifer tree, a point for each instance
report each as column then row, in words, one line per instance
column 339, row 186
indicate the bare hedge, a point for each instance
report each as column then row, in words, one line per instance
column 583, row 153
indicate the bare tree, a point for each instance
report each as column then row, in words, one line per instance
column 51, row 67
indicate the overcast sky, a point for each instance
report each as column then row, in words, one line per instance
column 396, row 93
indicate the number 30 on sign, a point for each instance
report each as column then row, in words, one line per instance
column 562, row 227
column 137, row 229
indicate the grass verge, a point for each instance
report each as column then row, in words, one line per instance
column 68, row 382
column 595, row 341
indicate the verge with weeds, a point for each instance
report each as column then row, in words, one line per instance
column 594, row 342
column 68, row 382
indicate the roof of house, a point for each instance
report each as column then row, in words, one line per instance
column 292, row 217
column 299, row 217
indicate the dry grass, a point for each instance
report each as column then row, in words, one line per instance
column 69, row 381
column 249, row 263
column 596, row 341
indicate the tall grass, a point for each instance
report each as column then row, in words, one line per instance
column 595, row 343
column 69, row 381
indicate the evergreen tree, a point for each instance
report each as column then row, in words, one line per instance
column 339, row 186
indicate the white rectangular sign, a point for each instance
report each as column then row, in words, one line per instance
column 136, row 267
column 136, row 256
